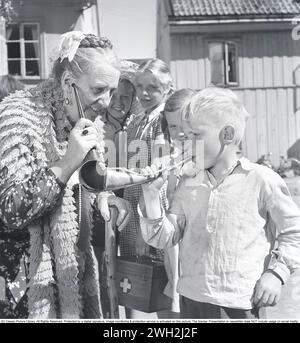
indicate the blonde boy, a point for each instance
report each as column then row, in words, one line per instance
column 237, row 226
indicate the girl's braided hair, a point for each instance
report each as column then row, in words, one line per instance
column 92, row 41
column 85, row 56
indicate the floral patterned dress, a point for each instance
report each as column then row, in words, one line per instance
column 43, row 191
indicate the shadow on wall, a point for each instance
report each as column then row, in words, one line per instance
column 294, row 150
column 296, row 82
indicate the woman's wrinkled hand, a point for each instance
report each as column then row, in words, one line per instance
column 106, row 200
column 83, row 138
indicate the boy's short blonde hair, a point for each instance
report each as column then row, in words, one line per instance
column 217, row 107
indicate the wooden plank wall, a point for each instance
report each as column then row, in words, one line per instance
column 269, row 71
column 3, row 48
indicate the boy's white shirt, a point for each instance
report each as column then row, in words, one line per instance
column 226, row 231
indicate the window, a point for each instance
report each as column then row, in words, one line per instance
column 23, row 50
column 223, row 62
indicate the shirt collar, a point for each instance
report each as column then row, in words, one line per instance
column 245, row 163
column 116, row 124
column 156, row 112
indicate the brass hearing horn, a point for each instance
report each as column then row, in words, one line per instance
column 94, row 179
column 91, row 177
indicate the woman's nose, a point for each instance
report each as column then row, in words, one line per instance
column 105, row 99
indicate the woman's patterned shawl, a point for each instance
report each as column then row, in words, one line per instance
column 63, row 281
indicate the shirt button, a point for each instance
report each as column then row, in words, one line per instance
column 209, row 228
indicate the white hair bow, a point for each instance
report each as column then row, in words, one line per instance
column 69, row 44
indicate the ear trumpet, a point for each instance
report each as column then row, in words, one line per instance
column 95, row 179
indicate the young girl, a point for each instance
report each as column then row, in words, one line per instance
column 172, row 128
column 153, row 86
column 123, row 109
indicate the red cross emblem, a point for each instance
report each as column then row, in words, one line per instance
column 125, row 285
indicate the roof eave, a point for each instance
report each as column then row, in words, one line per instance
column 184, row 20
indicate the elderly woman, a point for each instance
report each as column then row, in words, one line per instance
column 45, row 217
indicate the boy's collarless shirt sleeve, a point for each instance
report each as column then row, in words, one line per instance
column 176, row 213
column 167, row 230
column 286, row 216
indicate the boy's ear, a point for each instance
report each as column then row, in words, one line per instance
column 227, row 134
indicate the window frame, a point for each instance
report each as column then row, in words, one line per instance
column 23, row 58
column 225, row 42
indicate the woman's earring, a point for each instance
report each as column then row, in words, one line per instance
column 67, row 101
